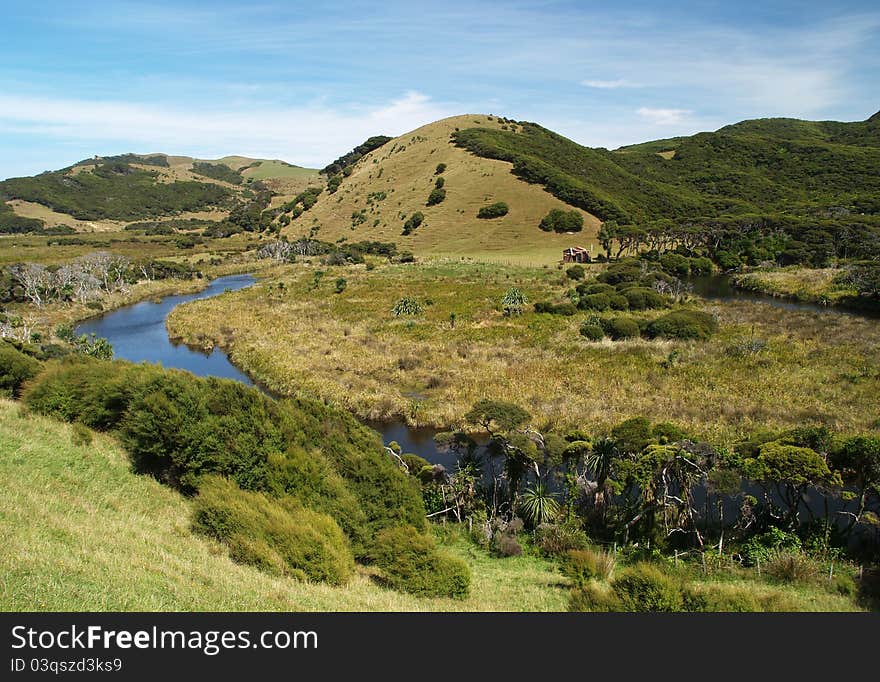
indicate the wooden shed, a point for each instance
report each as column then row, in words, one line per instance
column 576, row 254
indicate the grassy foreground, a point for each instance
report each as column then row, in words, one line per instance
column 765, row 368
column 80, row 531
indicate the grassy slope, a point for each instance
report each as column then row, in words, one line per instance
column 407, row 166
column 380, row 366
column 81, row 532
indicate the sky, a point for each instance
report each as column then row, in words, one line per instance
column 307, row 81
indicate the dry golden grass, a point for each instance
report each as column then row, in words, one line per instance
column 350, row 349
column 404, row 169
column 816, row 285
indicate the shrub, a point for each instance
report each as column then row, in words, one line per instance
column 760, row 548
column 505, row 544
column 557, row 538
column 278, row 536
column 558, row 220
column 567, row 309
column 341, row 284
column 642, row 298
column 619, row 328
column 415, row 464
column 583, row 565
column 683, row 324
column 618, row 273
column 644, row 587
column 701, row 266
column 410, row 562
column 496, row 210
column 413, row 222
column 675, row 264
column 440, row 168
column 720, row 598
column 618, row 302
column 407, row 306
column 575, row 272
column 791, row 567
column 595, row 302
column 592, row 331
column 594, row 597
column 436, row 196
column 439, row 183
column 15, row 369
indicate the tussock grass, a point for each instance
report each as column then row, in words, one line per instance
column 349, row 348
column 816, row 285
column 80, row 531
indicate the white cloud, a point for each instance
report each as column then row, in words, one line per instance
column 664, row 117
column 309, row 135
column 609, row 85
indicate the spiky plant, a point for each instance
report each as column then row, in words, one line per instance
column 407, row 306
column 538, row 505
column 513, row 302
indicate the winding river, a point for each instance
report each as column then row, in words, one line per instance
column 138, row 334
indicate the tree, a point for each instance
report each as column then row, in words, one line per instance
column 858, row 461
column 790, row 470
column 558, row 220
column 513, row 302
column 436, row 196
column 607, row 235
column 538, row 505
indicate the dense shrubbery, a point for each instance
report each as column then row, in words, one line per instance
column 411, row 563
column 683, row 324
column 217, row 171
column 352, row 157
column 619, row 328
column 562, row 221
column 279, row 535
column 114, row 191
column 180, row 428
column 566, row 309
column 592, row 331
column 496, row 210
column 15, row 369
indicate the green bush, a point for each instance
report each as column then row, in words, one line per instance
column 642, row 298
column 410, row 562
column 759, row 548
column 595, row 302
column 592, row 331
column 675, row 264
column 436, row 196
column 683, row 324
column 441, row 167
column 595, row 598
column 279, row 536
column 619, row 328
column 496, row 210
column 415, row 464
column 791, row 567
column 558, row 538
column 587, row 288
column 15, row 369
column 558, row 220
column 567, row 309
column 618, row 302
column 575, row 272
column 719, row 598
column 413, row 222
column 583, row 565
column 179, row 428
column 644, row 587
column 701, row 266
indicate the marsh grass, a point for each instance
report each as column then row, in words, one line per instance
column 349, row 348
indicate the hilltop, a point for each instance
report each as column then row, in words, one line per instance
column 388, row 185
column 107, row 193
column 762, row 167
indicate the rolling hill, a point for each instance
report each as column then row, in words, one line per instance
column 106, row 193
column 391, row 183
column 764, row 167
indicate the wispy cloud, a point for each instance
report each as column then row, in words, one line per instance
column 664, row 117
column 308, row 135
column 609, row 85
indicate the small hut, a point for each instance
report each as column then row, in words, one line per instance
column 576, row 254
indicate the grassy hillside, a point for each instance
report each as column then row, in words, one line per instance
column 81, row 532
column 105, row 193
column 391, row 183
column 759, row 166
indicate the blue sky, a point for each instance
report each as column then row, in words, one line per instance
column 307, row 81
